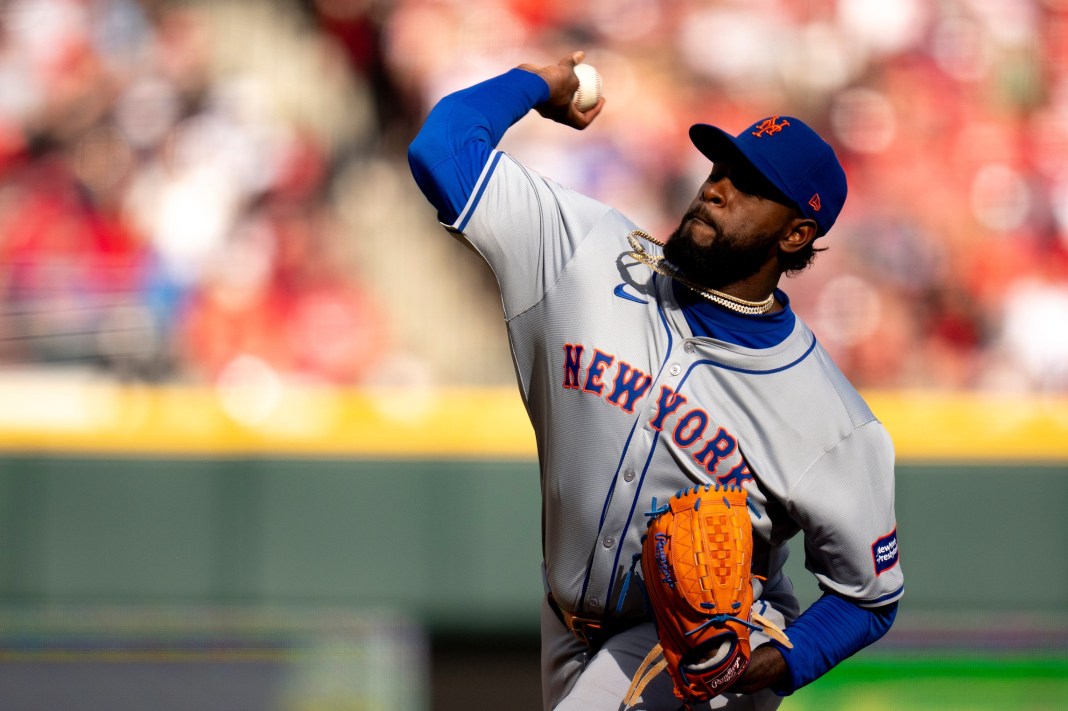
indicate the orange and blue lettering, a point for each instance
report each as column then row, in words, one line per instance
column 630, row 386
column 716, row 448
column 694, row 420
column 572, row 361
column 600, row 362
column 666, row 404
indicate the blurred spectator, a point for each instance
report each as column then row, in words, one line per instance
column 162, row 215
column 186, row 186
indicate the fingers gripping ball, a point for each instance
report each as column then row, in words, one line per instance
column 589, row 91
column 696, row 563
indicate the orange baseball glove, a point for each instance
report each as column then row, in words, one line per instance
column 696, row 558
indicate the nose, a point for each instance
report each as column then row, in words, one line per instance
column 715, row 191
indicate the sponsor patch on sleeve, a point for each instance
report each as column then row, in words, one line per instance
column 884, row 552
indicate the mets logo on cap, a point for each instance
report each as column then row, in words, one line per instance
column 769, row 126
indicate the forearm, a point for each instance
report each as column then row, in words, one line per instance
column 450, row 151
column 827, row 633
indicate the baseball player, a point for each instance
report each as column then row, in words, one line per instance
column 650, row 365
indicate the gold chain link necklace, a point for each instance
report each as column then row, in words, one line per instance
column 662, row 266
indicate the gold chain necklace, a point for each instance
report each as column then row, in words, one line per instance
column 662, row 266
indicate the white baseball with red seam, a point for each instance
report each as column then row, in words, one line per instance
column 589, row 90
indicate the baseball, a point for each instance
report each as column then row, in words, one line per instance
column 589, row 90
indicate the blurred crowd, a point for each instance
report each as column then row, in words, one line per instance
column 217, row 191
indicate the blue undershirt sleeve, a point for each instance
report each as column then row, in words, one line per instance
column 828, row 632
column 456, row 140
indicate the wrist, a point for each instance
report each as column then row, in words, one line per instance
column 529, row 82
column 767, row 668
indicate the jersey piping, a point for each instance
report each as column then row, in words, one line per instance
column 615, row 476
column 480, row 189
column 653, row 447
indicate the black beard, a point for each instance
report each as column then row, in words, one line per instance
column 729, row 259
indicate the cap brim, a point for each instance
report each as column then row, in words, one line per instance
column 713, row 142
column 717, row 144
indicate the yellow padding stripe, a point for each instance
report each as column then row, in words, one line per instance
column 445, row 422
column 93, row 418
column 974, row 426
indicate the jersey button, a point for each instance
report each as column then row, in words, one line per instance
column 675, row 369
column 608, row 541
column 593, row 603
column 690, row 348
column 628, row 475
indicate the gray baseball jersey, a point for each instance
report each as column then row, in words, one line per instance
column 628, row 405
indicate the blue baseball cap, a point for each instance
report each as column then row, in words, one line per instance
column 794, row 159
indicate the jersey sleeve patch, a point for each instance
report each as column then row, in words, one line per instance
column 884, row 552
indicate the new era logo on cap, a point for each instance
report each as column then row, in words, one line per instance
column 792, row 156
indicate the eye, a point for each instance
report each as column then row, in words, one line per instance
column 749, row 181
column 744, row 179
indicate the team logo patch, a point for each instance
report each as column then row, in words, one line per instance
column 884, row 552
column 815, row 202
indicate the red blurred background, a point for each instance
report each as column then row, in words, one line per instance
column 190, row 190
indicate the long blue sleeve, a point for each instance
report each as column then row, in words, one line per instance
column 828, row 632
column 457, row 138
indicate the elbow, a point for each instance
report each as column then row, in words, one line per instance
column 420, row 156
column 435, row 141
column 423, row 155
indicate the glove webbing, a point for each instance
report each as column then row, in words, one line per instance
column 650, row 667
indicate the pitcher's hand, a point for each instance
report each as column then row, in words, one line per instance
column 563, row 83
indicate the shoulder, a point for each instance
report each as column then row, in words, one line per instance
column 835, row 386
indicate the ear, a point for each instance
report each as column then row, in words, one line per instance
column 800, row 234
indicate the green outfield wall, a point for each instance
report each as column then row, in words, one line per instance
column 306, row 541
column 444, row 538
column 429, row 500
